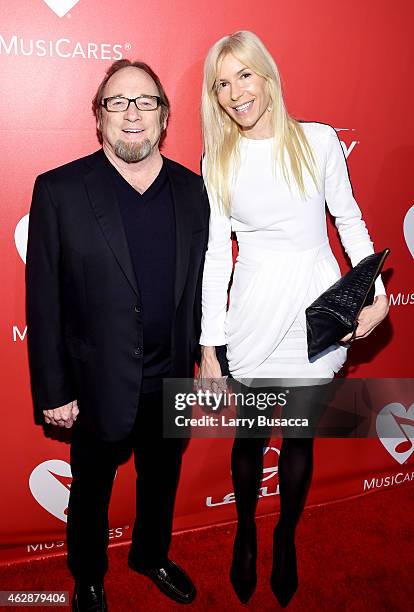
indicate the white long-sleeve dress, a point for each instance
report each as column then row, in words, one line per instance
column 284, row 261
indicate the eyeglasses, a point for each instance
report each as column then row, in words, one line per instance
column 119, row 104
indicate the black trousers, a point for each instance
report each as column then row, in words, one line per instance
column 94, row 464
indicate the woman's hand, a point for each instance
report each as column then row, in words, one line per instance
column 370, row 317
column 209, row 373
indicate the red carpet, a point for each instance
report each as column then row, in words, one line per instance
column 356, row 555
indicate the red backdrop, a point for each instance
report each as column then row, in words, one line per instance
column 347, row 64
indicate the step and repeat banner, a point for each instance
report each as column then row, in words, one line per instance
column 347, row 64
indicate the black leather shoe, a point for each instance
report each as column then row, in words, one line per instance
column 89, row 598
column 284, row 578
column 170, row 579
column 243, row 568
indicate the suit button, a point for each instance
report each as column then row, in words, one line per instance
column 137, row 308
column 138, row 351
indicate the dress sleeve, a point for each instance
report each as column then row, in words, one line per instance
column 341, row 203
column 216, row 277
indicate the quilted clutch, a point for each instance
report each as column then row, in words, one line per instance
column 335, row 312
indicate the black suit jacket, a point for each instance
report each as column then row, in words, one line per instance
column 84, row 326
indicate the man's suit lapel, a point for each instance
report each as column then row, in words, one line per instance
column 104, row 203
column 183, row 225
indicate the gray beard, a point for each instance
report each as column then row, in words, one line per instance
column 132, row 152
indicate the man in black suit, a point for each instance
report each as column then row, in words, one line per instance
column 114, row 266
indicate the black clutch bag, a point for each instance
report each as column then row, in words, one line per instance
column 335, row 313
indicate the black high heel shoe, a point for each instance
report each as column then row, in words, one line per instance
column 243, row 568
column 284, row 578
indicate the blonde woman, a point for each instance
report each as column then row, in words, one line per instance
column 268, row 178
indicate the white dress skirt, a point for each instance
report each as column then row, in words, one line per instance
column 284, row 263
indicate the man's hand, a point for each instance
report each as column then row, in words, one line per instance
column 64, row 416
column 370, row 317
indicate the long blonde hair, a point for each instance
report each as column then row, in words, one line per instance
column 221, row 133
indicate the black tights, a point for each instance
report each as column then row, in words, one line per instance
column 295, row 473
column 294, row 468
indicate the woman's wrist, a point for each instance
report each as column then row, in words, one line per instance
column 381, row 301
column 208, row 352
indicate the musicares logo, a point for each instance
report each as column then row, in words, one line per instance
column 20, row 236
column 61, row 7
column 408, row 227
column 49, row 484
column 395, row 418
